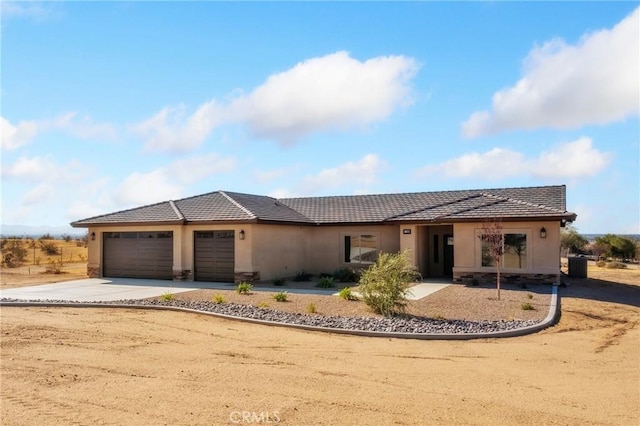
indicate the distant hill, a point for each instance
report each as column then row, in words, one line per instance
column 37, row 231
column 592, row 237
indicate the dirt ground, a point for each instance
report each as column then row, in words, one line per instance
column 108, row 366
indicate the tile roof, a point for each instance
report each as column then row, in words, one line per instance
column 465, row 205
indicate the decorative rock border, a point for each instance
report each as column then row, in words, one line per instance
column 394, row 327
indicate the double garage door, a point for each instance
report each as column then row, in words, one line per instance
column 138, row 255
column 150, row 255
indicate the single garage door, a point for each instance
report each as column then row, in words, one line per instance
column 138, row 255
column 214, row 256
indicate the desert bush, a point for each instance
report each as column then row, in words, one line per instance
column 46, row 236
column 529, row 296
column 347, row 275
column 347, row 294
column 244, row 288
column 66, row 238
column 527, row 307
column 49, row 247
column 311, row 308
column 54, row 266
column 263, row 304
column 385, row 284
column 219, row 299
column 167, row 297
column 278, row 281
column 601, row 263
column 616, row 265
column 13, row 253
column 302, row 276
column 325, row 282
column 280, row 296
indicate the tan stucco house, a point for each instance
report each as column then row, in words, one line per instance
column 230, row 237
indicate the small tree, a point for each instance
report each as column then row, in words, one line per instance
column 572, row 241
column 385, row 284
column 492, row 246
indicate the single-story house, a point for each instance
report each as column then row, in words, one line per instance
column 231, row 237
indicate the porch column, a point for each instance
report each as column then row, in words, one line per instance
column 409, row 242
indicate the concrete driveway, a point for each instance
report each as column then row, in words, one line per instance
column 98, row 290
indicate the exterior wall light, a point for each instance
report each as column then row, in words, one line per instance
column 93, row 236
column 242, row 234
column 543, row 233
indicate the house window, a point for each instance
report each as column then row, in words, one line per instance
column 514, row 248
column 360, row 248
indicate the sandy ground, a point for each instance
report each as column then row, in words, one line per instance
column 107, row 366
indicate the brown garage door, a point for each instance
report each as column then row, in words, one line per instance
column 214, row 256
column 138, row 255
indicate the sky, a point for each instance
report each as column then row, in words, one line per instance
column 112, row 105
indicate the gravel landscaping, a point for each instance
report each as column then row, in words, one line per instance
column 400, row 324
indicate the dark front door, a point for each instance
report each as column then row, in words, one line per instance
column 214, row 256
column 448, row 254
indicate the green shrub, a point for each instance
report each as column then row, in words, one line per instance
column 302, row 276
column 263, row 304
column 311, row 308
column 167, row 297
column 218, row 298
column 527, row 307
column 616, row 265
column 347, row 294
column 281, row 296
column 385, row 284
column 278, row 281
column 244, row 288
column 347, row 275
column 325, row 282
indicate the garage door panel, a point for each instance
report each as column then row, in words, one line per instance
column 214, row 255
column 138, row 255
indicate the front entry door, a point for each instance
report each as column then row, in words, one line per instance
column 448, row 254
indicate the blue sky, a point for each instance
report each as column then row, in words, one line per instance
column 112, row 105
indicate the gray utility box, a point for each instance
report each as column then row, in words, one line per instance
column 578, row 267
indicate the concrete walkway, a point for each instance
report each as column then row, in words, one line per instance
column 111, row 289
column 418, row 291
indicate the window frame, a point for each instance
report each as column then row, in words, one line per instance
column 510, row 231
column 359, row 234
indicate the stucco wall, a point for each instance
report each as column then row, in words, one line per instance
column 543, row 255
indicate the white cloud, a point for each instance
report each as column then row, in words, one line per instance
column 495, row 164
column 147, row 188
column 326, row 93
column 332, row 92
column 565, row 86
column 168, row 182
column 33, row 169
column 170, row 130
column 352, row 174
column 38, row 195
column 572, row 160
column 27, row 9
column 15, row 136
